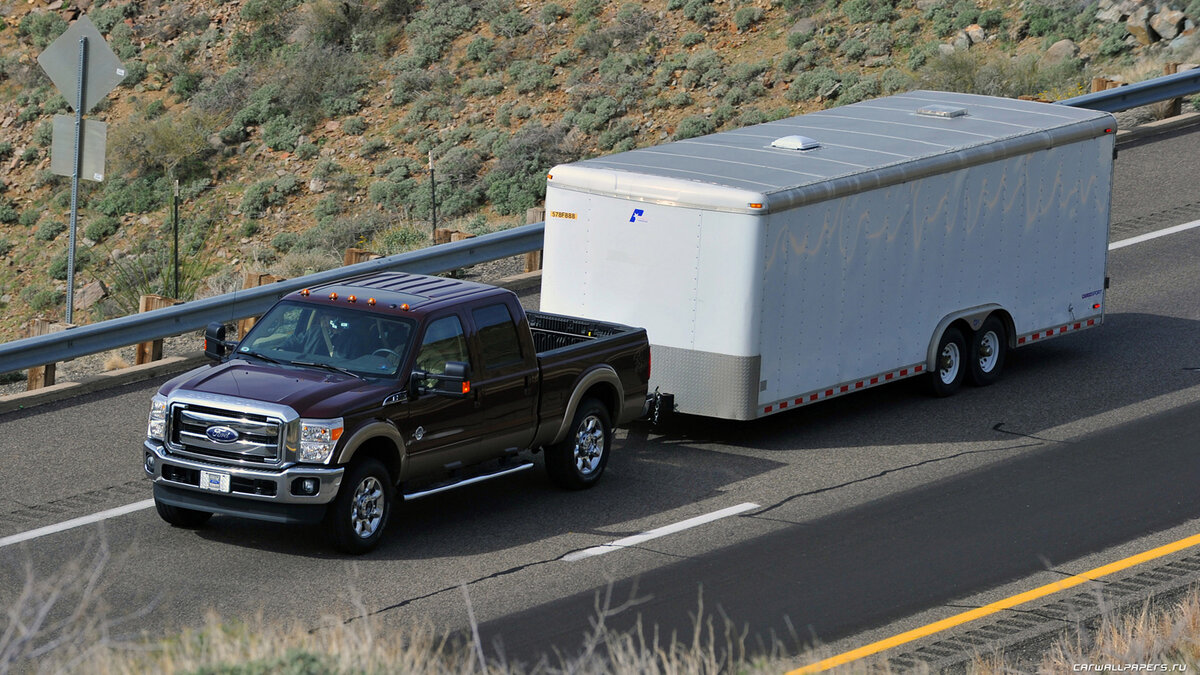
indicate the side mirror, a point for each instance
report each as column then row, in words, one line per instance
column 455, row 382
column 214, row 341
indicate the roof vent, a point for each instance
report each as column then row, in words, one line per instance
column 939, row 110
column 795, row 143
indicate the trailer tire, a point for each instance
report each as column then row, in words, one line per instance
column 577, row 462
column 949, row 366
column 181, row 517
column 989, row 347
column 359, row 514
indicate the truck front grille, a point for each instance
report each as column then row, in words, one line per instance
column 227, row 436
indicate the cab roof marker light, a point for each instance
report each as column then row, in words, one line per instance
column 352, row 298
column 371, row 302
column 404, row 307
column 304, row 292
column 333, row 296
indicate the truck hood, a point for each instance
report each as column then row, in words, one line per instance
column 311, row 392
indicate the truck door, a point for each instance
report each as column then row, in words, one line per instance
column 440, row 430
column 506, row 380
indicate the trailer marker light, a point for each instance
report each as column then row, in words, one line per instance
column 1108, row 131
column 755, row 206
column 1096, row 306
column 352, row 298
column 333, row 296
column 549, row 176
column 466, row 388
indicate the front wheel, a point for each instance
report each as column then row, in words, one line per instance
column 359, row 513
column 988, row 349
column 578, row 461
column 181, row 517
column 949, row 363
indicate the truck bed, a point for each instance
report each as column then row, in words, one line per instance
column 554, row 331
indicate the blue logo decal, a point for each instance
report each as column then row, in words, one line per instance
column 221, row 434
column 636, row 214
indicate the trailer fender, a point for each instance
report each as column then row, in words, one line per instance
column 600, row 375
column 972, row 317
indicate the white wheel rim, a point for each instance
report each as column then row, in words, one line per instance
column 989, row 351
column 367, row 508
column 950, row 359
column 589, row 445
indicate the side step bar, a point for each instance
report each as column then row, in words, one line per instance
column 467, row 481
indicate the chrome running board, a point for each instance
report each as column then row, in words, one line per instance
column 466, row 481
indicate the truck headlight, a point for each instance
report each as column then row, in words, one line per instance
column 318, row 438
column 157, row 426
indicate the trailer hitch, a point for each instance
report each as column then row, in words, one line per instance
column 657, row 405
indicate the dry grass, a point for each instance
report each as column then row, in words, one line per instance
column 115, row 362
column 1145, row 637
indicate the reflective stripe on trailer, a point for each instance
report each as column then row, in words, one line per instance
column 838, row 390
column 1059, row 330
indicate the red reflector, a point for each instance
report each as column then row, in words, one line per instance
column 769, row 409
column 874, row 380
column 1096, row 306
column 783, row 405
column 845, row 388
column 813, row 397
column 918, row 369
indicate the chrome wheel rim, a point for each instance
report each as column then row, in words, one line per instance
column 367, row 508
column 989, row 351
column 948, row 363
column 589, row 445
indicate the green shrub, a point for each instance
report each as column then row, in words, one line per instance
column 306, row 151
column 56, row 104
column 586, row 10
column 529, row 76
column 6, row 149
column 135, row 72
column 58, row 265
column 691, row 39
column 102, row 228
column 690, row 127
column 248, row 229
column 482, row 87
column 259, row 197
column 40, row 298
column 6, row 246
column 185, row 84
column 511, row 24
column 41, row 28
column 700, row 11
column 50, row 229
column 30, row 155
column 745, row 17
column 518, row 180
column 139, row 195
column 552, row 12
column 869, row 11
column 8, row 212
column 893, row 81
column 287, row 184
column 617, row 131
column 284, row 241
column 154, row 109
column 480, row 49
column 797, row 39
column 372, row 146
column 44, row 134
column 29, row 217
column 279, row 133
column 400, row 240
column 854, row 49
column 354, row 125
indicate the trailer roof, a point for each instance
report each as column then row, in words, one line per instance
column 860, row 146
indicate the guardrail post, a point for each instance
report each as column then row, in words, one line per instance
column 151, row 351
column 442, row 236
column 533, row 259
column 1172, row 106
column 459, row 236
column 42, row 376
column 254, row 280
column 353, row 256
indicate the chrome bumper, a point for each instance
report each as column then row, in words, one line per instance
column 330, row 478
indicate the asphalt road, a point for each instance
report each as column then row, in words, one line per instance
column 874, row 511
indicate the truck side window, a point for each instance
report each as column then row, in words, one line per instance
column 444, row 341
column 497, row 336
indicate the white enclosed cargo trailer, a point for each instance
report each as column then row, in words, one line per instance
column 785, row 263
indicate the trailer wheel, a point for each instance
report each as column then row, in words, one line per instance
column 180, row 517
column 359, row 514
column 989, row 346
column 578, row 461
column 948, row 371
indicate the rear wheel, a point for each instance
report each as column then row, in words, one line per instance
column 578, row 461
column 359, row 514
column 949, row 365
column 989, row 346
column 180, row 517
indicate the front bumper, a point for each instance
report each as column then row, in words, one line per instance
column 254, row 493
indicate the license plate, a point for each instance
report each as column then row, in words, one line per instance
column 211, row 480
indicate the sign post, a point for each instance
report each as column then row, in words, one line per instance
column 81, row 63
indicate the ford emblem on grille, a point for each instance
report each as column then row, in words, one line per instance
column 221, row 434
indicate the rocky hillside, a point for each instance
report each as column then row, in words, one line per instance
column 297, row 129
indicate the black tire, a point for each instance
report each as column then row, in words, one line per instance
column 989, row 347
column 359, row 514
column 579, row 460
column 949, row 364
column 180, row 517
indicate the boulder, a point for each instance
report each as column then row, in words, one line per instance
column 1167, row 23
column 975, row 33
column 1110, row 15
column 946, row 49
column 90, row 294
column 961, row 41
column 1060, row 51
column 1138, row 25
column 316, row 185
column 804, row 26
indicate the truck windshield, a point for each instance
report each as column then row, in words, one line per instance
column 370, row 345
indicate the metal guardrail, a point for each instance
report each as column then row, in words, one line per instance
column 197, row 314
column 1139, row 93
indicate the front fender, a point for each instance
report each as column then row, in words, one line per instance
column 372, row 431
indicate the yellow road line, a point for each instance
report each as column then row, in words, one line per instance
column 998, row 606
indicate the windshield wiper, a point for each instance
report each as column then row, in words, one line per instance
column 328, row 366
column 264, row 357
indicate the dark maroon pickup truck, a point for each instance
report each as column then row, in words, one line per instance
column 348, row 397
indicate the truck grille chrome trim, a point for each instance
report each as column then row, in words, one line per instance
column 253, row 433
